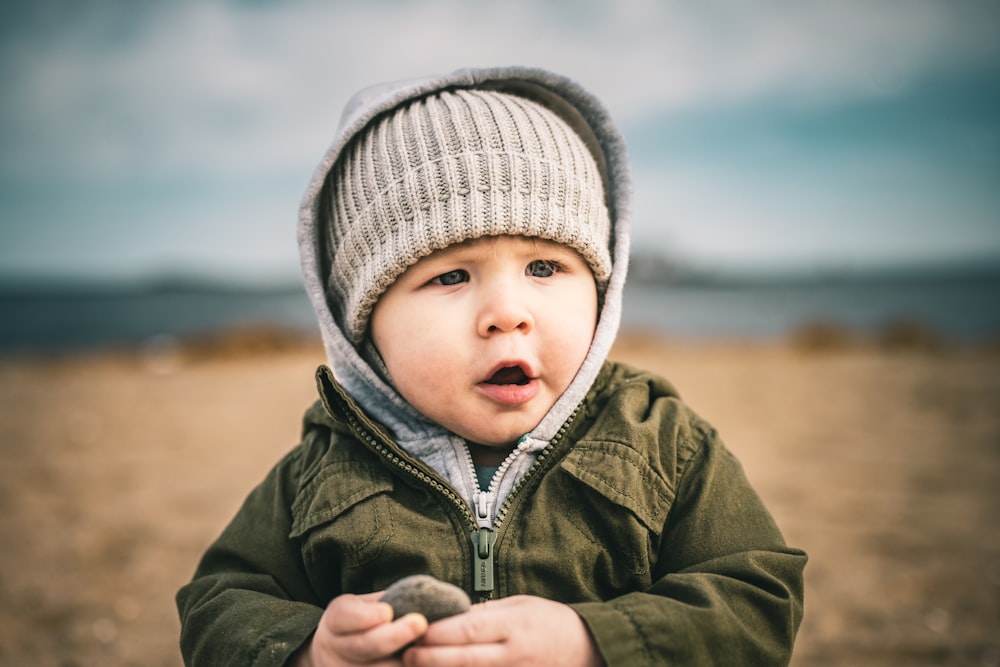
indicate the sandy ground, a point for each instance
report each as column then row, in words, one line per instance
column 116, row 470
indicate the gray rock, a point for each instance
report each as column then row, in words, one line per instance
column 426, row 595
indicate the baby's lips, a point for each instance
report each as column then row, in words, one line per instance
column 510, row 372
column 509, row 375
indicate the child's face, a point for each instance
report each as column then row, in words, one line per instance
column 484, row 336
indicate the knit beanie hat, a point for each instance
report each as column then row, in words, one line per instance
column 457, row 165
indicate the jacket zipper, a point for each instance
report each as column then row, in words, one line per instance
column 484, row 538
column 380, row 448
column 533, row 470
column 483, row 534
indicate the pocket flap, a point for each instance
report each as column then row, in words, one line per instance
column 333, row 491
column 621, row 475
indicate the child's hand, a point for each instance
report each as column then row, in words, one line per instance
column 359, row 630
column 520, row 630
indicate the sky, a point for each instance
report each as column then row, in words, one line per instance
column 148, row 139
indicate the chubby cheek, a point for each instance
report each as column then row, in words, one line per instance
column 570, row 352
column 570, row 324
column 400, row 338
column 417, row 367
column 409, row 361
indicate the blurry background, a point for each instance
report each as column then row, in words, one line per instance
column 816, row 268
column 151, row 150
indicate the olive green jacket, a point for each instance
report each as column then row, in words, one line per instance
column 636, row 515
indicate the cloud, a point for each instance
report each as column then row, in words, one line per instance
column 133, row 132
column 227, row 88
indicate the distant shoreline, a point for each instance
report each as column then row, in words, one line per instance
column 952, row 308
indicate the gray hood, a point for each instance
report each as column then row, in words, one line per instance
column 439, row 448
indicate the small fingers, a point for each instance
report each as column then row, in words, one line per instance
column 380, row 641
column 355, row 613
column 480, row 625
column 360, row 629
column 481, row 655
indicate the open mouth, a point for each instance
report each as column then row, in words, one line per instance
column 509, row 375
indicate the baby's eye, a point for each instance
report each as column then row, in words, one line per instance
column 451, row 278
column 542, row 268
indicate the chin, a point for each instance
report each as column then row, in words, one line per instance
column 495, row 439
column 493, row 442
column 503, row 435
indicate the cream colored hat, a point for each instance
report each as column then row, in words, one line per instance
column 457, row 165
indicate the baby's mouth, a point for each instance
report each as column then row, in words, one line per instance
column 509, row 375
column 511, row 384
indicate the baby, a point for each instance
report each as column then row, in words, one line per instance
column 465, row 242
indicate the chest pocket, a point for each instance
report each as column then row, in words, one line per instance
column 607, row 507
column 343, row 515
column 621, row 475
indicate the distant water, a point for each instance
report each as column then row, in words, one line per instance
column 958, row 309
column 66, row 320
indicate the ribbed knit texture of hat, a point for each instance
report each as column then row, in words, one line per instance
column 457, row 165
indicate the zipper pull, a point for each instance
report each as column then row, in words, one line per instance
column 484, row 502
column 482, row 556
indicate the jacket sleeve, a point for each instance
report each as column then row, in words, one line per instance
column 727, row 590
column 250, row 602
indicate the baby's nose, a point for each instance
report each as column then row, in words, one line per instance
column 502, row 312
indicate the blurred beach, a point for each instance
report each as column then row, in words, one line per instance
column 878, row 453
